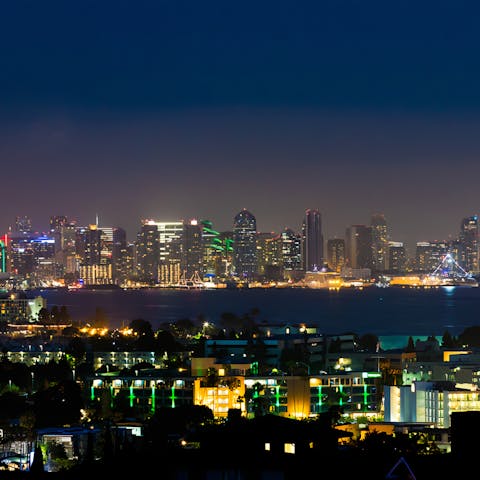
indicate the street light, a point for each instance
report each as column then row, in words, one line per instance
column 33, row 377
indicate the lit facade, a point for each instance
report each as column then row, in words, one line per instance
column 428, row 402
column 469, row 244
column 17, row 309
column 379, row 243
column 245, row 246
column 397, row 257
column 312, row 241
column 336, row 254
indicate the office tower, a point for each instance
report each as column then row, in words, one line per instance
column 120, row 271
column 96, row 267
column 291, row 253
column 67, row 253
column 245, row 246
column 379, row 243
column 170, row 239
column 397, row 257
column 312, row 241
column 148, row 252
column 213, row 251
column 226, row 240
column 358, row 246
column 469, row 244
column 46, row 269
column 20, row 254
column 56, row 222
column 336, row 254
column 429, row 255
column 23, row 225
column 4, row 264
column 192, row 250
column 269, row 256
column 165, row 241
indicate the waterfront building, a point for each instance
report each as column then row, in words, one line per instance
column 192, row 254
column 336, row 254
column 170, row 240
column 46, row 270
column 20, row 254
column 269, row 256
column 312, row 241
column 121, row 264
column 469, row 244
column 428, row 255
column 291, row 244
column 66, row 251
column 379, row 243
column 358, row 246
column 148, row 252
column 96, row 266
column 397, row 257
column 245, row 246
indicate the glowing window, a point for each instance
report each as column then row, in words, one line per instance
column 289, row 448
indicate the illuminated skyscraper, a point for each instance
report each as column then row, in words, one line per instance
column 336, row 254
column 23, row 225
column 428, row 255
column 379, row 243
column 312, row 241
column 192, row 250
column 269, row 256
column 397, row 257
column 469, row 244
column 245, row 245
column 291, row 252
column 358, row 246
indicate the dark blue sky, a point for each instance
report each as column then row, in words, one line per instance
column 180, row 109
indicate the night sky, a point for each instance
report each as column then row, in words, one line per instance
column 186, row 109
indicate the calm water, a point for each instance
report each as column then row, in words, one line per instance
column 392, row 312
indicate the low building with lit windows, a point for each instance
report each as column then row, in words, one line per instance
column 429, row 402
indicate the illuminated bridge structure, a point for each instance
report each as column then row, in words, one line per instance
column 450, row 272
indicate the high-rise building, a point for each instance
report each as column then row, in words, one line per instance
column 429, row 255
column 56, row 222
column 291, row 253
column 23, row 225
column 469, row 244
column 214, row 255
column 379, row 243
column 358, row 246
column 336, row 254
column 45, row 265
column 148, row 249
column 312, row 241
column 119, row 256
column 245, row 245
column 192, row 254
column 269, row 256
column 397, row 257
column 96, row 266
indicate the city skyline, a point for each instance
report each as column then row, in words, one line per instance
column 132, row 236
column 178, row 110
